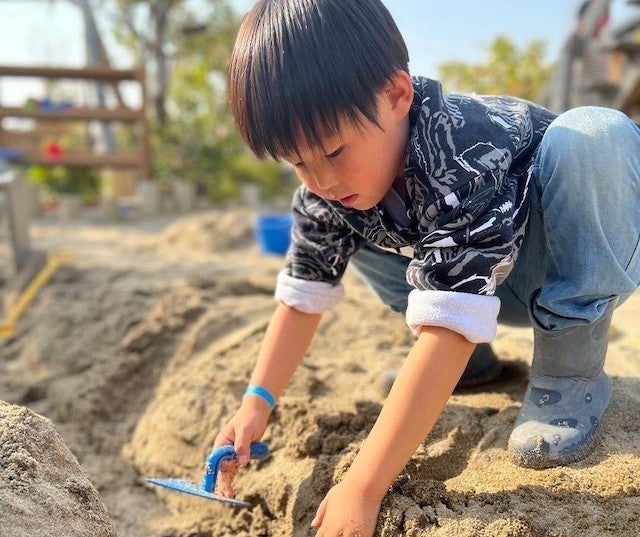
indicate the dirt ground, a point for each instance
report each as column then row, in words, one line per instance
column 140, row 348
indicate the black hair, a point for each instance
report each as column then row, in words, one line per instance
column 300, row 67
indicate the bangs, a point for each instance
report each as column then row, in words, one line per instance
column 301, row 68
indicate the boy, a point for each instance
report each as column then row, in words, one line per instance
column 448, row 205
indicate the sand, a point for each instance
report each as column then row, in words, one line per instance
column 42, row 486
column 140, row 349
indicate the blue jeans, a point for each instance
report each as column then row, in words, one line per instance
column 581, row 249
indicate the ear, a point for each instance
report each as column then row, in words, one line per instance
column 399, row 94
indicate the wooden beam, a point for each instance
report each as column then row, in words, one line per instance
column 83, row 73
column 80, row 114
column 76, row 158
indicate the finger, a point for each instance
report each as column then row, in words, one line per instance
column 228, row 466
column 225, row 489
column 317, row 520
column 241, row 446
column 225, row 437
column 225, row 479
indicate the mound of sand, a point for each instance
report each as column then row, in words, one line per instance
column 460, row 481
column 43, row 489
column 139, row 355
column 216, row 231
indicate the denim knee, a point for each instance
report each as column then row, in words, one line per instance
column 599, row 141
column 600, row 124
column 587, row 187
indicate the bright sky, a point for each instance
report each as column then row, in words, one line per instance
column 49, row 32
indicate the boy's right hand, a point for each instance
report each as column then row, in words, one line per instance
column 247, row 425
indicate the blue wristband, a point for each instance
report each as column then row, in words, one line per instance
column 266, row 395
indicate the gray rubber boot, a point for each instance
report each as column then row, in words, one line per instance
column 483, row 367
column 566, row 397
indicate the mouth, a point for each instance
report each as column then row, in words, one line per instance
column 348, row 201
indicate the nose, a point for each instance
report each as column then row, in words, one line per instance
column 325, row 179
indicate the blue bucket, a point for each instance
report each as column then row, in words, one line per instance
column 10, row 155
column 273, row 232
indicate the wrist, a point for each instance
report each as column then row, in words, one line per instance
column 367, row 486
column 255, row 390
column 257, row 403
column 255, row 407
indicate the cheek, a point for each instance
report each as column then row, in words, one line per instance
column 305, row 179
column 302, row 176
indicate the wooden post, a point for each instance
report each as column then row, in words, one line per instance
column 18, row 211
column 144, row 136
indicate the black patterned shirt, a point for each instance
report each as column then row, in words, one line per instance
column 468, row 169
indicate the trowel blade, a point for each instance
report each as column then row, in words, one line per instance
column 179, row 485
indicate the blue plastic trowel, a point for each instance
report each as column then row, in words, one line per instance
column 257, row 450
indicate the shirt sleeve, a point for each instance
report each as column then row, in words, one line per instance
column 473, row 316
column 321, row 246
column 475, row 156
column 455, row 276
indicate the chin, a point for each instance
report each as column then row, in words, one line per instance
column 363, row 205
column 366, row 204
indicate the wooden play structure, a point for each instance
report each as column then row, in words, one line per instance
column 46, row 117
column 46, row 133
column 28, row 144
column 35, row 134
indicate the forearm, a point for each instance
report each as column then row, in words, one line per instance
column 287, row 339
column 288, row 336
column 419, row 394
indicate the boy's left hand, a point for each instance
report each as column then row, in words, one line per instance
column 347, row 511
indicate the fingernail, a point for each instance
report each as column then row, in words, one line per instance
column 243, row 460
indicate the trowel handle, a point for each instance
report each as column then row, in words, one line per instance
column 257, row 450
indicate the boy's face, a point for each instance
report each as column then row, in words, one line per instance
column 358, row 166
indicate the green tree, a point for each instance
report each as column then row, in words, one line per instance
column 507, row 70
column 185, row 46
column 151, row 29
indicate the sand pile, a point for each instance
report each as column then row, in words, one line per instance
column 460, row 482
column 216, row 231
column 43, row 489
column 141, row 349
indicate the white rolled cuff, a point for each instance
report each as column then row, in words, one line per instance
column 307, row 296
column 473, row 316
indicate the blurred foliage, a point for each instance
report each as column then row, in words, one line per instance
column 507, row 70
column 58, row 179
column 81, row 180
column 193, row 135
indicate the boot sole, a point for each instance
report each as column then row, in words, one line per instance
column 537, row 460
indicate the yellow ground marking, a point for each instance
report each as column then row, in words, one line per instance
column 54, row 261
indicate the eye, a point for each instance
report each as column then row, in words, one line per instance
column 335, row 154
